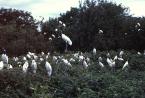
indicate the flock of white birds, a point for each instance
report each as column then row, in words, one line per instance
column 31, row 60
column 24, row 61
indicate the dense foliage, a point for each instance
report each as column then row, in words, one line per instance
column 18, row 29
column 76, row 81
column 83, row 24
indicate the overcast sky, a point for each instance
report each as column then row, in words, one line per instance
column 52, row 8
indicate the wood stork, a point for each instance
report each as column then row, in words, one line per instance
column 100, row 58
column 111, row 63
column 66, row 62
column 94, row 51
column 120, row 59
column 1, row 65
column 125, row 65
column 115, row 58
column 64, row 25
column 137, row 25
column 121, row 53
column 60, row 22
column 101, row 64
column 56, row 30
column 72, row 60
column 48, row 68
column 34, row 66
column 4, row 58
column 108, row 54
column 25, row 66
column 138, row 53
column 100, row 32
column 24, row 58
column 85, row 63
column 67, row 40
column 9, row 66
column 53, row 35
column 81, row 58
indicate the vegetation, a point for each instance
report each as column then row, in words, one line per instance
column 76, row 81
column 19, row 35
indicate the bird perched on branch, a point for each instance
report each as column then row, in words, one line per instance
column 67, row 40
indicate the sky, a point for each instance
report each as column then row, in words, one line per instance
column 53, row 8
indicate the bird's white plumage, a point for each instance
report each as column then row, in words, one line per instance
column 72, row 60
column 48, row 68
column 4, row 58
column 85, row 64
column 138, row 53
column 100, row 31
column 1, row 65
column 100, row 58
column 34, row 66
column 120, row 59
column 125, row 65
column 111, row 63
column 25, row 66
column 115, row 58
column 66, row 39
column 66, row 62
column 9, row 66
column 94, row 51
column 121, row 53
column 101, row 64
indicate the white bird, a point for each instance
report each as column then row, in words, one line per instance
column 138, row 24
column 125, row 65
column 54, row 58
column 115, row 58
column 53, row 35
column 100, row 31
column 1, row 65
column 50, row 39
column 72, row 60
column 56, row 30
column 48, row 68
column 120, row 59
column 108, row 54
column 94, row 51
column 60, row 22
column 81, row 58
column 66, row 39
column 121, row 53
column 100, row 58
column 64, row 24
column 111, row 63
column 66, row 62
column 4, row 58
column 138, row 53
column 15, row 59
column 9, row 66
column 85, row 64
column 41, row 59
column 24, row 58
column 42, row 53
column 88, row 59
column 28, row 56
column 25, row 66
column 101, row 64
column 34, row 66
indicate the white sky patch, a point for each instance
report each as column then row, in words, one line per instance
column 53, row 8
column 136, row 6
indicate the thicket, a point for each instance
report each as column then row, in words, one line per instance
column 18, row 29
